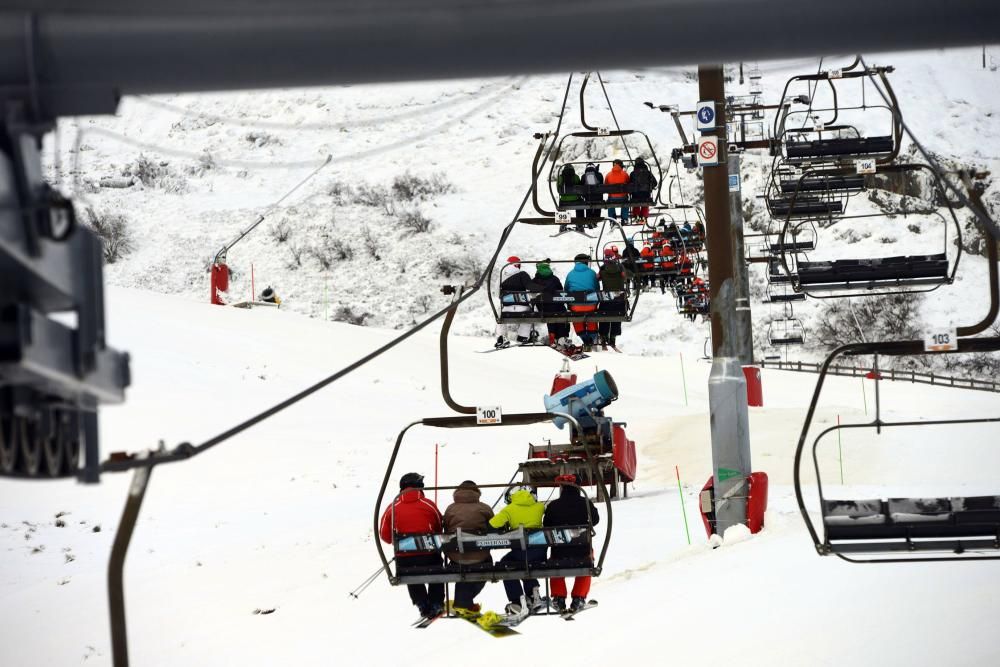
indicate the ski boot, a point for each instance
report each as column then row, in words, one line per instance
column 559, row 605
column 501, row 343
column 578, row 604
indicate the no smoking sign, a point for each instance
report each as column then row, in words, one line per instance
column 708, row 151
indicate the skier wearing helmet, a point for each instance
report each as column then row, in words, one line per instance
column 522, row 510
column 571, row 508
column 413, row 514
column 517, row 289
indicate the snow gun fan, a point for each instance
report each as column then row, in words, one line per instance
column 584, row 399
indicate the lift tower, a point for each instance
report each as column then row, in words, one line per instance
column 727, row 391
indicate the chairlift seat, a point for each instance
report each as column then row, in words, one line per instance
column 839, row 147
column 787, row 340
column 874, row 272
column 850, row 183
column 534, row 299
column 785, row 298
column 794, row 246
column 916, row 524
column 804, row 206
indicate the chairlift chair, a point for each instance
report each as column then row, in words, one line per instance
column 884, row 529
column 556, row 307
column 593, row 191
column 876, row 275
column 451, row 572
column 819, row 133
column 785, row 331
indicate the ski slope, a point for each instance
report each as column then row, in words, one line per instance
column 281, row 516
column 232, row 155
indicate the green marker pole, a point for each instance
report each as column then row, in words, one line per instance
column 840, row 452
column 680, row 491
column 683, row 378
column 864, row 395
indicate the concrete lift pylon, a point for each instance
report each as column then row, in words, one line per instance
column 727, row 389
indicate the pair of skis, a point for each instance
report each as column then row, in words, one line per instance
column 497, row 625
column 574, row 353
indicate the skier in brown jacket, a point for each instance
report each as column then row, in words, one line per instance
column 472, row 516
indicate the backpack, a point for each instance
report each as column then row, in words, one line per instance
column 591, row 177
column 566, row 177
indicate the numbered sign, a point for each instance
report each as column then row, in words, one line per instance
column 708, row 151
column 819, row 127
column 836, row 74
column 562, row 217
column 488, row 414
column 706, row 115
column 603, row 131
column 866, row 166
column 941, row 340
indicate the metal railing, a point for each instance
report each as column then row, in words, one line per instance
column 888, row 374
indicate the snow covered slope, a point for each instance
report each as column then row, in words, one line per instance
column 338, row 250
column 281, row 517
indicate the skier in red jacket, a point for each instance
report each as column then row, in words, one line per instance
column 413, row 514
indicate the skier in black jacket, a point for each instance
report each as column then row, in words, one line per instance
column 570, row 509
column 551, row 284
column 514, row 279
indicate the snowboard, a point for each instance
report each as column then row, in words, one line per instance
column 568, row 615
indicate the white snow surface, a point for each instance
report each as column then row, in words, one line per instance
column 477, row 134
column 280, row 517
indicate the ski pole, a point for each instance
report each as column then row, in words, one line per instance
column 680, row 491
column 500, row 497
column 368, row 582
column 864, row 395
column 683, row 378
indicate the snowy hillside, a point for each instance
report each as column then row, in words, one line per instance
column 350, row 246
column 280, row 518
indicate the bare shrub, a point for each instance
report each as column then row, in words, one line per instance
column 331, row 250
column 376, row 196
column 206, row 163
column 113, row 230
column 296, row 251
column 154, row 174
column 260, row 139
column 370, row 243
column 342, row 193
column 281, row 231
column 414, row 222
column 349, row 315
column 409, row 186
column 869, row 318
column 464, row 266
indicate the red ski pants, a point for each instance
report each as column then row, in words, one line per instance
column 580, row 327
column 581, row 587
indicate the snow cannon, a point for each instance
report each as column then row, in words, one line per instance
column 583, row 399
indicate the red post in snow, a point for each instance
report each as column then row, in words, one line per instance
column 435, row 472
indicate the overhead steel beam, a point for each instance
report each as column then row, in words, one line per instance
column 73, row 54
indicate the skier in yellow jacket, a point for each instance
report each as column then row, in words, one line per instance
column 522, row 510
